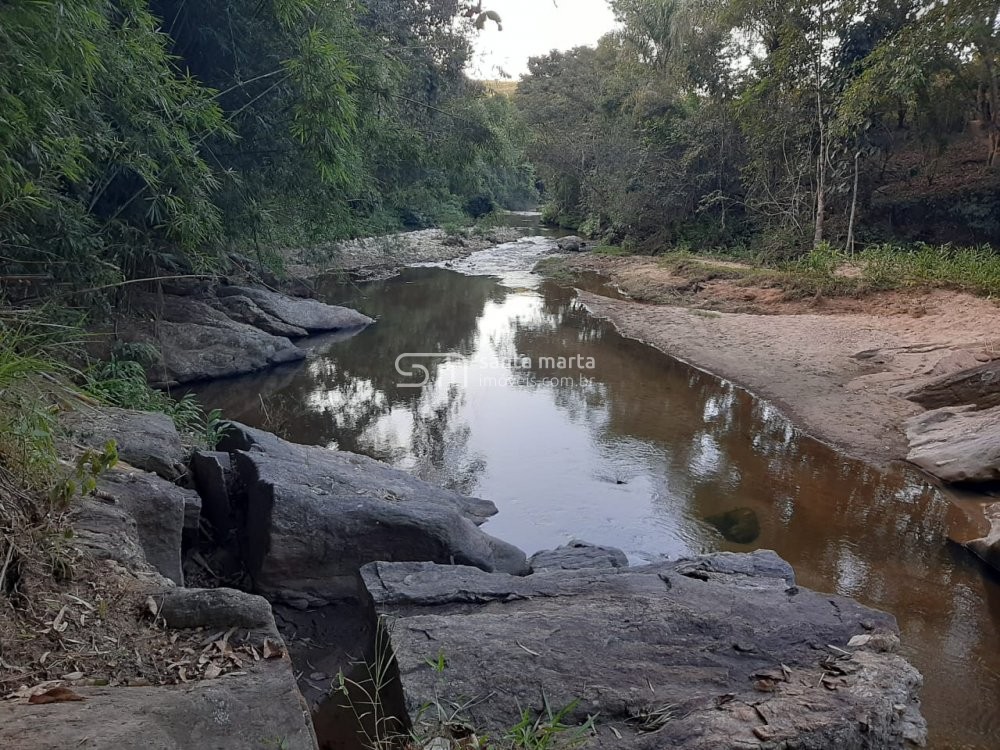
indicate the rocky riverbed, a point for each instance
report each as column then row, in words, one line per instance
column 716, row 649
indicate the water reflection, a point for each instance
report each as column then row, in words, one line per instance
column 640, row 452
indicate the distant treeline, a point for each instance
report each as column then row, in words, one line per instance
column 775, row 125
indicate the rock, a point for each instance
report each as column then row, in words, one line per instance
column 957, row 444
column 571, row 244
column 244, row 310
column 192, row 516
column 578, row 556
column 198, row 342
column 733, row 657
column 145, row 440
column 213, row 478
column 218, row 609
column 979, row 386
column 308, row 314
column 740, row 525
column 314, row 516
column 258, row 709
column 159, row 510
column 107, row 532
column 987, row 549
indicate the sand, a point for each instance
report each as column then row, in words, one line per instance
column 839, row 369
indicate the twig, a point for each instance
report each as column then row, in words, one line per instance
column 6, row 564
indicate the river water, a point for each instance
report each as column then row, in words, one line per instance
column 578, row 433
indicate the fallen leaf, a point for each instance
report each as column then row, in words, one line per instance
column 272, row 650
column 55, row 695
column 212, row 671
column 73, row 676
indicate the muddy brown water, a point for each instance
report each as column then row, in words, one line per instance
column 622, row 445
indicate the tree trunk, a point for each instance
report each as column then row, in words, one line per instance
column 823, row 147
column 820, row 174
column 854, row 206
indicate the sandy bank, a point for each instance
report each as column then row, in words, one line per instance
column 839, row 368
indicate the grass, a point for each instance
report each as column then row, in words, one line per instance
column 380, row 728
column 121, row 381
column 825, row 271
column 970, row 269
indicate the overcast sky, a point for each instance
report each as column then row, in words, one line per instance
column 534, row 27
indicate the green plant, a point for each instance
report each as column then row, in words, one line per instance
column 972, row 269
column 31, row 387
column 439, row 664
column 89, row 465
column 546, row 729
column 122, row 383
column 364, row 693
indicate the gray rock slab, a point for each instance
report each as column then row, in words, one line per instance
column 715, row 652
column 259, row 709
column 314, row 516
column 242, row 309
column 218, row 609
column 578, row 555
column 306, row 314
column 145, row 440
column 977, row 385
column 196, row 341
column 957, row 444
column 159, row 509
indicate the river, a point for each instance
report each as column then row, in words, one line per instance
column 576, row 432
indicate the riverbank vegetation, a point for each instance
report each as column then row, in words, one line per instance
column 775, row 129
column 151, row 137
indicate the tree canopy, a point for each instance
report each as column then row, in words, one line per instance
column 138, row 136
column 784, row 125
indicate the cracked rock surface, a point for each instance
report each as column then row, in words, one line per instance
column 720, row 651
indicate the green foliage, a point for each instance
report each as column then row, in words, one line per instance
column 142, row 137
column 776, row 126
column 121, row 381
column 100, row 167
column 548, row 730
column 89, row 466
column 972, row 269
column 29, row 390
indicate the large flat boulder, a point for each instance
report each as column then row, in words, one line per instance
column 722, row 651
column 196, row 341
column 307, row 314
column 957, row 444
column 312, row 517
column 978, row 385
column 258, row 708
column 145, row 440
column 242, row 309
